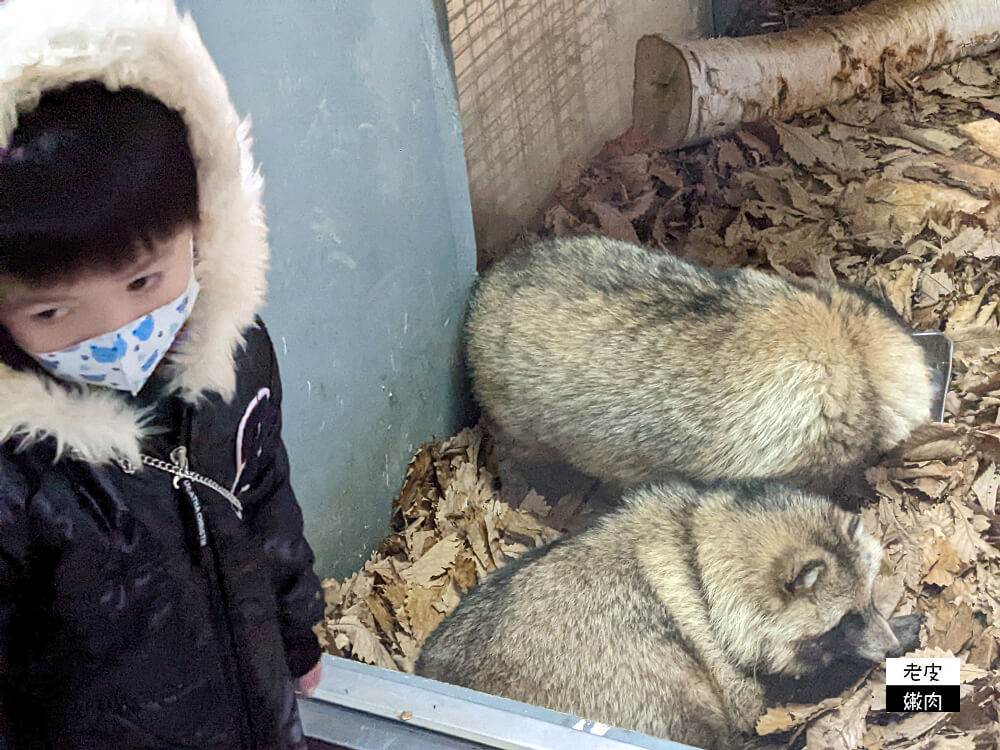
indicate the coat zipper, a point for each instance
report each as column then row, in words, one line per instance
column 216, row 587
column 178, row 456
column 178, row 466
column 183, row 479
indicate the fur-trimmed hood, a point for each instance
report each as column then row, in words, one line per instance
column 144, row 44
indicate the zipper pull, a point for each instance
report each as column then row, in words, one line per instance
column 198, row 515
column 178, row 456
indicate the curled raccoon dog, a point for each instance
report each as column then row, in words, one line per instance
column 634, row 366
column 663, row 619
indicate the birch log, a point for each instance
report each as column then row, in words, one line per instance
column 687, row 92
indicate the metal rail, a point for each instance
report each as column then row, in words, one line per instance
column 369, row 708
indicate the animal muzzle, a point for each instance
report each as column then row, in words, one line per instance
column 872, row 637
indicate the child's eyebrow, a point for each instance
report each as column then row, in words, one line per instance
column 30, row 299
column 140, row 266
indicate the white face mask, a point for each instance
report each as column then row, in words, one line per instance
column 125, row 358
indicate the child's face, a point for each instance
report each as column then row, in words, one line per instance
column 49, row 318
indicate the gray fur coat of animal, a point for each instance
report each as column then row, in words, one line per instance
column 635, row 366
column 674, row 615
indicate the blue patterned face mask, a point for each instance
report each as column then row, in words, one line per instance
column 124, row 359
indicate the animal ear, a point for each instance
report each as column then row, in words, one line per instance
column 853, row 528
column 804, row 578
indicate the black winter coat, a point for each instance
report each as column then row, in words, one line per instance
column 128, row 622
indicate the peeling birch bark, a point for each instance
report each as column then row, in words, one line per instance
column 687, row 92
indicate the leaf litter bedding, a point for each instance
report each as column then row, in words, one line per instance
column 898, row 192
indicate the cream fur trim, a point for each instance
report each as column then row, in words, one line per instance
column 94, row 425
column 143, row 44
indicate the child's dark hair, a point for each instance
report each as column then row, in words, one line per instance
column 89, row 177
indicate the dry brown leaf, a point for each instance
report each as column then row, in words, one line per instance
column 979, row 180
column 899, row 289
column 769, row 190
column 449, row 598
column 420, row 541
column 985, row 488
column 410, row 650
column 930, row 138
column 535, row 504
column 612, row 222
column 801, row 198
column 493, row 536
column 730, row 156
column 965, row 312
column 973, row 72
column 974, row 342
column 806, row 149
column 941, row 562
column 940, row 742
column 953, row 627
column 932, row 286
column 358, row 586
column 973, row 241
column 961, row 91
column 908, row 729
column 753, row 142
column 986, row 134
column 476, row 535
column 420, row 601
column 990, row 104
column 967, row 538
column 936, row 81
column 363, row 643
column 519, row 522
column 331, row 593
column 381, row 615
column 782, row 718
column 934, row 444
column 667, row 174
column 901, row 208
column 887, row 592
column 433, row 563
column 844, row 728
column 463, row 572
column 859, row 112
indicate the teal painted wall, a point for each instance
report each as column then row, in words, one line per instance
column 358, row 135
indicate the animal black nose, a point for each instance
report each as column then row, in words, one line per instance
column 895, row 652
column 906, row 628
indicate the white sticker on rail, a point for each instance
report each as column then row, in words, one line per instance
column 592, row 727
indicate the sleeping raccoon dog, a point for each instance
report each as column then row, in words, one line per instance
column 634, row 366
column 655, row 621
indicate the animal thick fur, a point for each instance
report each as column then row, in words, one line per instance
column 664, row 619
column 145, row 44
column 634, row 366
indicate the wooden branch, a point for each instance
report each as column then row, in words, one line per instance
column 687, row 92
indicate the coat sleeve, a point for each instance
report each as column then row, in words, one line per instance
column 277, row 521
column 14, row 554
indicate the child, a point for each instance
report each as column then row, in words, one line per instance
column 156, row 589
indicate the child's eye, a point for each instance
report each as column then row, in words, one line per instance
column 51, row 314
column 143, row 282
